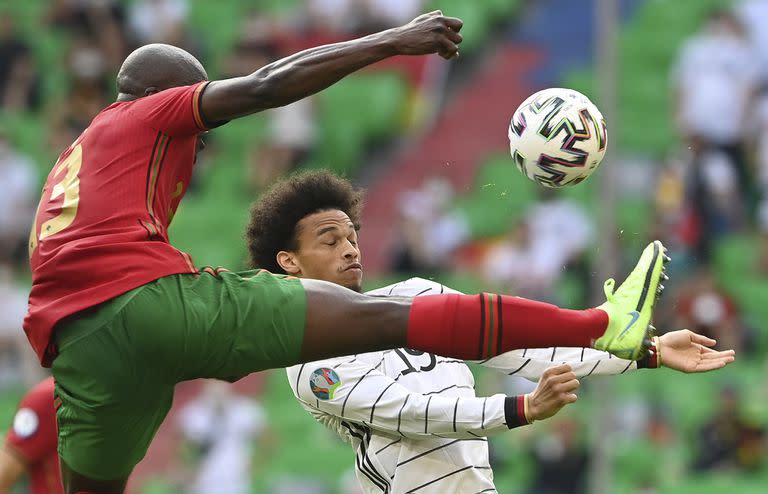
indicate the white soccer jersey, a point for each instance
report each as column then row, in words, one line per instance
column 413, row 417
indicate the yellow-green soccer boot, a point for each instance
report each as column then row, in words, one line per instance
column 630, row 306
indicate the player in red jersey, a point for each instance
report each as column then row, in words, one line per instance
column 121, row 316
column 30, row 445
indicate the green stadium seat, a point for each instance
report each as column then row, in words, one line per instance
column 499, row 197
column 502, row 8
column 476, row 17
column 360, row 109
column 736, row 255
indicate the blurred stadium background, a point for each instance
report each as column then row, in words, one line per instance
column 688, row 132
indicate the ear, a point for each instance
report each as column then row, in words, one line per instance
column 289, row 263
column 151, row 90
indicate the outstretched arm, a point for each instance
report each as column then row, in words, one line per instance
column 313, row 70
column 682, row 350
column 531, row 363
column 11, row 470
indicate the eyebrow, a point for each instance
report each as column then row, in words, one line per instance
column 331, row 228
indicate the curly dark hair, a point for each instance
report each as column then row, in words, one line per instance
column 276, row 213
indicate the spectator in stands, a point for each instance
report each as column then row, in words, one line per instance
column 761, row 158
column 430, row 229
column 360, row 16
column 674, row 221
column 560, row 460
column 291, row 129
column 159, row 21
column 561, row 231
column 291, row 137
column 17, row 362
column 383, row 14
column 89, row 91
column 17, row 202
column 719, row 201
column 333, row 16
column 551, row 239
column 716, row 78
column 752, row 14
column 506, row 265
column 102, row 21
column 221, row 427
column 19, row 81
column 728, row 441
column 705, row 308
column 763, row 232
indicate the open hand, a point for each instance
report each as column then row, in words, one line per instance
column 556, row 389
column 686, row 351
column 429, row 33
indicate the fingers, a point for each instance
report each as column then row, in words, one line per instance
column 558, row 371
column 434, row 13
column 561, row 378
column 569, row 386
column 454, row 23
column 710, row 365
column 448, row 49
column 713, row 354
column 454, row 36
column 714, row 360
column 702, row 340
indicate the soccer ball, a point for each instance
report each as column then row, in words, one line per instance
column 557, row 137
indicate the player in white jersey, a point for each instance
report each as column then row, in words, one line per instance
column 413, row 417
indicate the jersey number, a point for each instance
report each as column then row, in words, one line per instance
column 410, row 368
column 69, row 186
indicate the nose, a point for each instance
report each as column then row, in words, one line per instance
column 350, row 251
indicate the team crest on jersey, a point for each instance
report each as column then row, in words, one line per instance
column 25, row 423
column 324, row 382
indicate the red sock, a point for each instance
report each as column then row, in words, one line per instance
column 475, row 327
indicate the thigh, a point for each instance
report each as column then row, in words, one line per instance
column 343, row 322
column 75, row 483
column 109, row 401
column 221, row 325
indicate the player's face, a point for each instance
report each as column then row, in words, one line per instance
column 327, row 250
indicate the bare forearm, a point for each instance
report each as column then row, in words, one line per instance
column 313, row 70
column 292, row 78
column 307, row 72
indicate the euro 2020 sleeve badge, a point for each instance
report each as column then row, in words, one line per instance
column 324, row 382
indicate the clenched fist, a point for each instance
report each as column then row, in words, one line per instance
column 556, row 389
column 429, row 33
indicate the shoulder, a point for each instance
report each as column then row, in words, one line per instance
column 412, row 287
column 35, row 410
column 40, row 397
column 301, row 372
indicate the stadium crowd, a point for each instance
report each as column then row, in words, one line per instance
column 707, row 201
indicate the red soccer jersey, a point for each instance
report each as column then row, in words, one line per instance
column 32, row 439
column 101, row 225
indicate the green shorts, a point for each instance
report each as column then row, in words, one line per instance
column 118, row 362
